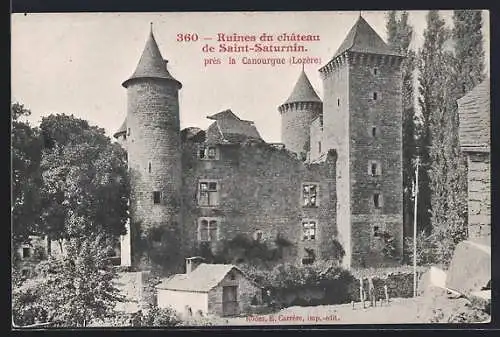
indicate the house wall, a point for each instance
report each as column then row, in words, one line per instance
column 260, row 189
column 245, row 294
column 180, row 300
column 479, row 194
column 316, row 131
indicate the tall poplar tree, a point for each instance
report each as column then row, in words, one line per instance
column 400, row 35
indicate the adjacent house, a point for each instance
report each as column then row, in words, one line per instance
column 209, row 289
column 474, row 114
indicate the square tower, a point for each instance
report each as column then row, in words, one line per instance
column 362, row 116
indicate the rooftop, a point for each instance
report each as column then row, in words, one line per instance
column 303, row 91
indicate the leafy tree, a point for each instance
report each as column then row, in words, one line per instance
column 26, row 177
column 85, row 183
column 400, row 35
column 72, row 290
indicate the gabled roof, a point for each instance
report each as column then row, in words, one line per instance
column 232, row 128
column 474, row 114
column 151, row 64
column 303, row 91
column 362, row 38
column 202, row 279
column 121, row 129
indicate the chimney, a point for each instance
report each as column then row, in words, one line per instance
column 192, row 263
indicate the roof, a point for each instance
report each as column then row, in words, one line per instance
column 202, row 279
column 233, row 129
column 362, row 38
column 151, row 64
column 303, row 91
column 121, row 129
column 474, row 114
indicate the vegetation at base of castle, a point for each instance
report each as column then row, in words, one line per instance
column 72, row 290
column 446, row 74
column 426, row 249
column 160, row 317
column 69, row 179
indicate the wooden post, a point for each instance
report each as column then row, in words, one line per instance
column 361, row 292
column 352, row 303
column 386, row 294
column 371, row 291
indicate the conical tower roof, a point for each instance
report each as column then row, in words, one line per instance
column 122, row 129
column 151, row 64
column 303, row 91
column 362, row 38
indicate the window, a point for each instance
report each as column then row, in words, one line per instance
column 26, row 252
column 375, row 96
column 377, row 200
column 208, row 193
column 375, row 71
column 128, row 132
column 208, row 230
column 310, row 194
column 374, row 131
column 319, row 147
column 207, row 152
column 257, row 236
column 374, row 168
column 310, row 256
column 338, row 101
column 156, row 197
column 149, row 167
column 376, row 231
column 309, row 230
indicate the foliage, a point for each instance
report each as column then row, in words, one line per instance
column 26, row 178
column 425, row 249
column 161, row 317
column 82, row 171
column 72, row 290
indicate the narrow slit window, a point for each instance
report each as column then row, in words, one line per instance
column 156, row 197
column 128, row 132
column 338, row 101
column 375, row 71
column 375, row 95
column 376, row 231
column 374, row 169
column 149, row 167
column 374, row 131
column 319, row 147
column 376, row 200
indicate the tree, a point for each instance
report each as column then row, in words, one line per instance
column 85, row 184
column 400, row 35
column 26, row 178
column 69, row 291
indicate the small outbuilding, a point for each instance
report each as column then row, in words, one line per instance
column 209, row 289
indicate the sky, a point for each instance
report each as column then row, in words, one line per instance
column 74, row 63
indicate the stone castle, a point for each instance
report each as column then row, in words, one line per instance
column 335, row 178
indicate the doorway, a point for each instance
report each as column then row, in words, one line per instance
column 230, row 300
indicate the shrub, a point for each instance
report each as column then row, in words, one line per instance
column 164, row 317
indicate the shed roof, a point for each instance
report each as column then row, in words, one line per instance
column 362, row 38
column 233, row 129
column 474, row 114
column 151, row 64
column 202, row 279
column 303, row 91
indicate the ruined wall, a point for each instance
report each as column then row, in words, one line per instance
column 154, row 160
column 260, row 188
column 479, row 194
column 375, row 84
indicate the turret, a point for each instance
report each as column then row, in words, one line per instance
column 297, row 113
column 154, row 158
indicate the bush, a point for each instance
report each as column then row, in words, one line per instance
column 164, row 317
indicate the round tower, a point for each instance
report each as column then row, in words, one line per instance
column 154, row 161
column 297, row 113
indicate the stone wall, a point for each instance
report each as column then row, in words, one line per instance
column 260, row 189
column 154, row 158
column 479, row 194
column 296, row 119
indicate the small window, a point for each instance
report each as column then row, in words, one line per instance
column 149, row 167
column 377, row 200
column 124, row 137
column 309, row 230
column 156, row 197
column 310, row 256
column 25, row 273
column 374, row 168
column 338, row 101
column 128, row 132
column 26, row 252
column 207, row 230
column 375, row 71
column 319, row 147
column 310, row 195
column 258, row 235
column 232, row 276
column 374, row 131
column 208, row 193
column 376, row 231
column 207, row 153
column 375, row 96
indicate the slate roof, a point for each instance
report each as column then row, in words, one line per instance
column 121, row 129
column 202, row 279
column 362, row 38
column 233, row 129
column 151, row 64
column 474, row 114
column 303, row 91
